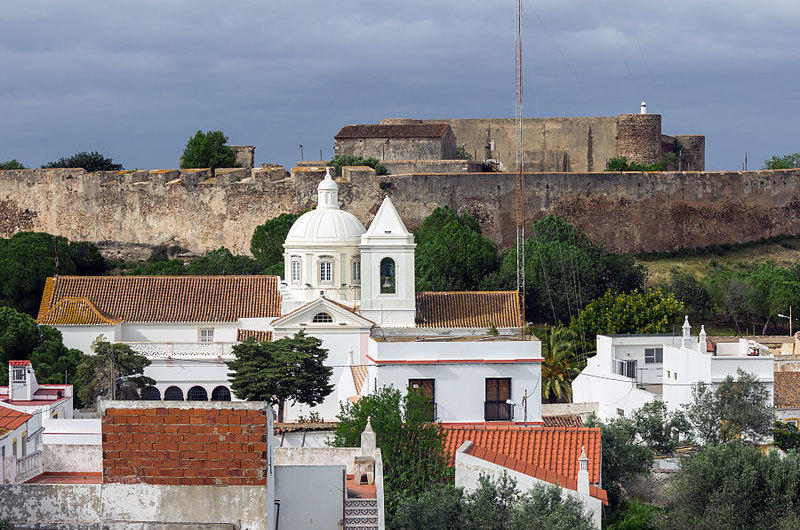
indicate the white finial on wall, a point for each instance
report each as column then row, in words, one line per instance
column 643, row 110
column 583, row 472
column 702, row 340
column 687, row 332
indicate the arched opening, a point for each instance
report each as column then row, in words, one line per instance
column 151, row 393
column 221, row 393
column 197, row 393
column 388, row 276
column 173, row 393
column 322, row 318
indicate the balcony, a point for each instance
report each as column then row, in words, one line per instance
column 498, row 411
column 29, row 466
column 164, row 350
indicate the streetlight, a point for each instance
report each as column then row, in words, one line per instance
column 790, row 319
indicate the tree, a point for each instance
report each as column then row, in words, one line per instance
column 737, row 409
column 690, row 291
column 452, row 254
column 412, row 447
column 222, row 261
column 738, row 300
column 664, row 163
column 632, row 515
column 462, row 153
column 440, row 507
column 734, row 486
column 208, row 150
column 290, row 368
column 91, row 162
column 783, row 162
column 660, row 430
column 266, row 245
column 11, row 164
column 87, row 258
column 561, row 365
column 786, row 436
column 112, row 362
column 621, row 313
column 340, row 161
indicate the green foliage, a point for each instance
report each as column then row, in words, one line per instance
column 561, row 365
column 493, row 505
column 290, row 368
column 690, row 291
column 783, row 162
column 624, row 457
column 266, row 245
column 87, row 258
column 734, row 486
column 414, row 458
column 93, row 161
column 452, row 254
column 664, row 163
column 340, row 161
column 112, row 361
column 215, row 262
column 564, row 271
column 660, row 430
column 208, row 150
column 21, row 339
column 737, row 409
column 632, row 515
column 622, row 313
column 462, row 153
column 11, row 164
column 786, row 436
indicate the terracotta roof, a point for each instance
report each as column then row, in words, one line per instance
column 540, row 473
column 467, row 309
column 359, row 372
column 19, row 363
column 787, row 390
column 261, row 336
column 10, row 419
column 158, row 299
column 566, row 420
column 417, row 130
column 555, row 449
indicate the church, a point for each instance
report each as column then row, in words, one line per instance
column 351, row 287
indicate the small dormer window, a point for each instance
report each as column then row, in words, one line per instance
column 18, row 375
column 322, row 318
column 325, row 272
column 295, row 271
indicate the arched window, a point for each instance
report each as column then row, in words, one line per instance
column 221, row 393
column 322, row 318
column 388, row 278
column 151, row 393
column 173, row 393
column 197, row 393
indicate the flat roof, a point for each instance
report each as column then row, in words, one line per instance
column 452, row 338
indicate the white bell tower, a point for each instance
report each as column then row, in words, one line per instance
column 387, row 261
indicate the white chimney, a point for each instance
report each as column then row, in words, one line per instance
column 350, row 357
column 368, row 440
column 702, row 340
column 643, row 110
column 687, row 332
column 583, row 473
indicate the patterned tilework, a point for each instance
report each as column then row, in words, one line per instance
column 261, row 336
column 553, row 449
column 163, row 298
column 787, row 390
column 462, row 309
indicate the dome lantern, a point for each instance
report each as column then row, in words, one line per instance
column 328, row 192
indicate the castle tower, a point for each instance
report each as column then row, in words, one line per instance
column 387, row 280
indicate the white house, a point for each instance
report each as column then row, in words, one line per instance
column 26, row 394
column 20, row 443
column 352, row 288
column 631, row 370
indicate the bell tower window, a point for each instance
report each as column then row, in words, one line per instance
column 388, row 276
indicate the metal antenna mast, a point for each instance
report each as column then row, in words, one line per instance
column 520, row 168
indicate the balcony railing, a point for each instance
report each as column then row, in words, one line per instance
column 182, row 349
column 498, row 410
column 29, row 466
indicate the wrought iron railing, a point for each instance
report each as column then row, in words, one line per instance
column 498, row 410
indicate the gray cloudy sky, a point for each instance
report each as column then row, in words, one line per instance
column 134, row 79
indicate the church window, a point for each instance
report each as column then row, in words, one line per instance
column 325, row 271
column 388, row 277
column 357, row 270
column 295, row 271
column 322, row 318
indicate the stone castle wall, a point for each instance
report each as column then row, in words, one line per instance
column 629, row 212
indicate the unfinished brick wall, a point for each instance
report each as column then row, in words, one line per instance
column 185, row 446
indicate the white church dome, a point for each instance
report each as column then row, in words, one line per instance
column 326, row 224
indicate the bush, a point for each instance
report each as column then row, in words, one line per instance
column 11, row 164
column 632, row 515
column 93, row 161
column 339, row 161
column 208, row 150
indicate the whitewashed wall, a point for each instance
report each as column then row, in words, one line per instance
column 82, row 337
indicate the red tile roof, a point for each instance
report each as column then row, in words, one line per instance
column 416, row 130
column 261, row 336
column 537, row 472
column 10, row 419
column 566, row 420
column 787, row 390
column 158, row 299
column 359, row 373
column 555, row 449
column 467, row 309
column 19, row 363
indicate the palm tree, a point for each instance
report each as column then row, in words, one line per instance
column 561, row 365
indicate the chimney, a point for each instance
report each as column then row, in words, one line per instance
column 368, row 441
column 21, row 381
column 583, row 473
column 702, row 340
column 643, row 109
column 350, row 358
column 687, row 333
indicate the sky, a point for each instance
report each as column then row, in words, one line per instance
column 135, row 79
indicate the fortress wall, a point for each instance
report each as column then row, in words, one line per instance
column 628, row 212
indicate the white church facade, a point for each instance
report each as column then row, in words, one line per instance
column 351, row 287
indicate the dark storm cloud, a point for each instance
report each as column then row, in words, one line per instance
column 134, row 79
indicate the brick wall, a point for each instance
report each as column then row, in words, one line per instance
column 219, row 445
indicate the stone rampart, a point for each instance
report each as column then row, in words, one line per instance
column 629, row 212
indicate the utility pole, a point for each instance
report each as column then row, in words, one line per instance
column 520, row 177
column 113, row 379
